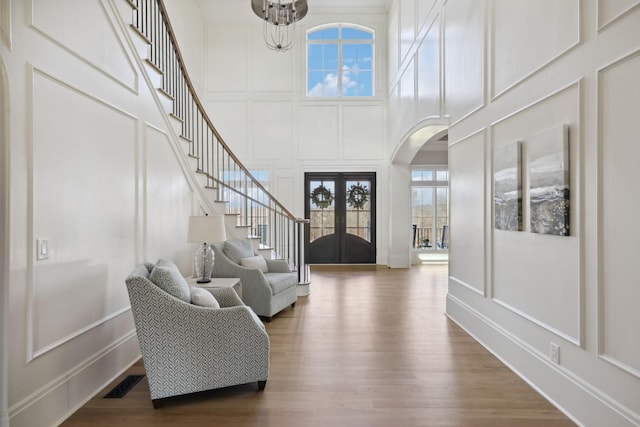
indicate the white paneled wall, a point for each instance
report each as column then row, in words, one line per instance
column 515, row 71
column 466, row 253
column 618, row 247
column 94, row 172
column 516, row 23
column 464, row 64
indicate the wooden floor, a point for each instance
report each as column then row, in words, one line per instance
column 369, row 347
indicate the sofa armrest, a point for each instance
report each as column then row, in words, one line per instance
column 278, row 266
column 226, row 297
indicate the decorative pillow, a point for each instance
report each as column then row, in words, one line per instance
column 238, row 249
column 255, row 262
column 203, row 298
column 167, row 277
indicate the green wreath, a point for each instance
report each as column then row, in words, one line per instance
column 321, row 197
column 357, row 196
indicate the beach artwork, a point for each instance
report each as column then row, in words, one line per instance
column 507, row 187
column 548, row 155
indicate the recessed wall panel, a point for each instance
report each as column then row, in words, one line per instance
column 318, row 132
column 407, row 26
column 168, row 204
column 272, row 71
column 547, row 28
column 273, row 131
column 407, row 105
column 393, row 49
column 424, row 8
column 467, row 195
column 84, row 204
column 428, row 76
column 227, row 63
column 230, row 119
column 363, row 132
column 539, row 276
column 610, row 10
column 619, row 249
column 99, row 45
column 5, row 22
column 464, row 57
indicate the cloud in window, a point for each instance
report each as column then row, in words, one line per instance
column 329, row 87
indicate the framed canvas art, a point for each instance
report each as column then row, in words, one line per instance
column 507, row 187
column 549, row 181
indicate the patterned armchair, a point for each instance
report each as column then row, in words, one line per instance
column 188, row 348
column 268, row 286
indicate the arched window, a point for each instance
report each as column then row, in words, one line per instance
column 340, row 60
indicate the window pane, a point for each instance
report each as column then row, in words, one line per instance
column 330, row 59
column 314, row 60
column 322, row 215
column 330, row 84
column 365, row 57
column 326, row 34
column 365, row 83
column 354, row 34
column 422, row 175
column 314, row 83
column 442, row 175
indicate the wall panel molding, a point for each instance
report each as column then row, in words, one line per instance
column 616, row 160
column 467, row 187
column 534, row 69
column 62, row 381
column 64, row 35
column 5, row 22
column 39, row 80
column 621, row 9
column 568, row 323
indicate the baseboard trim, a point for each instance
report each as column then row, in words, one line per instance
column 580, row 401
column 26, row 412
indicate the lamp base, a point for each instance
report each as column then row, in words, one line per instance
column 203, row 280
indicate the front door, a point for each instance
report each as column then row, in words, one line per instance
column 341, row 210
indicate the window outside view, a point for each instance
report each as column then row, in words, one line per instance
column 430, row 209
column 340, row 61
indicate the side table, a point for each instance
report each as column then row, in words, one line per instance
column 219, row 282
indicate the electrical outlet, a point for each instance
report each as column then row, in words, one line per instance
column 42, row 249
column 554, row 353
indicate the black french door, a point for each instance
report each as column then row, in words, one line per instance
column 342, row 214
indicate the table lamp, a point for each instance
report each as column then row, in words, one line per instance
column 206, row 230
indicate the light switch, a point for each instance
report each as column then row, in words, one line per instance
column 42, row 249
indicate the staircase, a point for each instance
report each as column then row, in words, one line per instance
column 226, row 186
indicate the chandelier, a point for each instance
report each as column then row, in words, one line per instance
column 279, row 19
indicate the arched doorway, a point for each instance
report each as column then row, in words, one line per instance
column 430, row 203
column 4, row 244
column 401, row 233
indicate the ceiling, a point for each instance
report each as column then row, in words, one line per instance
column 226, row 10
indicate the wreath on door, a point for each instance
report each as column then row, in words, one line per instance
column 357, row 196
column 321, row 197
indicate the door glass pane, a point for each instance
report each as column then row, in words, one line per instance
column 358, row 202
column 321, row 209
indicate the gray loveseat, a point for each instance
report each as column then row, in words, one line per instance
column 266, row 292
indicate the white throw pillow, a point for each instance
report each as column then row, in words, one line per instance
column 255, row 262
column 203, row 298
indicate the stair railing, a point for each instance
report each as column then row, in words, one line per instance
column 244, row 195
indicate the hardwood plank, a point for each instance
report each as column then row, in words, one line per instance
column 370, row 347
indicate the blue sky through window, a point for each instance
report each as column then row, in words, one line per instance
column 340, row 61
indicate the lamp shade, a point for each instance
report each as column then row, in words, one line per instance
column 206, row 229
